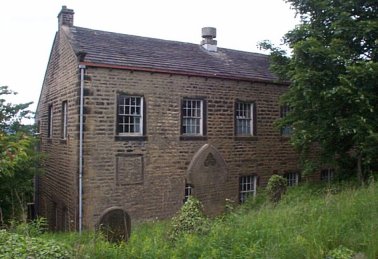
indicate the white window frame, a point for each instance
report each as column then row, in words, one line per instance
column 247, row 187
column 186, row 119
column 287, row 130
column 188, row 191
column 327, row 175
column 64, row 119
column 241, row 115
column 292, row 178
column 50, row 121
column 129, row 115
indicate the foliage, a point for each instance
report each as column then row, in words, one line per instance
column 190, row 219
column 333, row 70
column 18, row 158
column 340, row 253
column 14, row 245
column 31, row 229
column 276, row 187
column 311, row 221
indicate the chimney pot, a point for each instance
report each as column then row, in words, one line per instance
column 65, row 17
column 208, row 42
column 209, row 32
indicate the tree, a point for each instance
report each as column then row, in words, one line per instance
column 18, row 158
column 333, row 71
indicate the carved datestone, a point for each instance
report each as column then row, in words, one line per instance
column 129, row 169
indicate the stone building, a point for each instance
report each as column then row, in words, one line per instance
column 137, row 124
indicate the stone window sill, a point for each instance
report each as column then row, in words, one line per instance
column 190, row 138
column 246, row 138
column 130, row 138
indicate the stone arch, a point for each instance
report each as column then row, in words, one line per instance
column 115, row 224
column 207, row 173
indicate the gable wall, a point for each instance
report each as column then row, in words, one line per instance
column 57, row 186
column 163, row 157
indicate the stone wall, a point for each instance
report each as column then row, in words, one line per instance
column 154, row 186
column 57, row 186
column 146, row 176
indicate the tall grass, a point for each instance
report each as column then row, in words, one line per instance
column 309, row 222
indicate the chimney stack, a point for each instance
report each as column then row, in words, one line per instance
column 65, row 17
column 208, row 42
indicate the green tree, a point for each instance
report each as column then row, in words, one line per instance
column 18, row 158
column 333, row 71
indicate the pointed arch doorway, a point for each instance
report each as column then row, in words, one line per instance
column 207, row 174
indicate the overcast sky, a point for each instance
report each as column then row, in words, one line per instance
column 27, row 28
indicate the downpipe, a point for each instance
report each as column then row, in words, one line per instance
column 82, row 72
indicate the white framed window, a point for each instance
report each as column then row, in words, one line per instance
column 287, row 130
column 327, row 175
column 188, row 191
column 192, row 113
column 64, row 119
column 130, row 115
column 245, row 119
column 292, row 178
column 50, row 122
column 247, row 187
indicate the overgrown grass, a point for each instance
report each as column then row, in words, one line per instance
column 309, row 222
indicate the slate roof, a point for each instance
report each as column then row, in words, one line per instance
column 122, row 50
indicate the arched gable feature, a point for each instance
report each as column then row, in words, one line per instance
column 207, row 173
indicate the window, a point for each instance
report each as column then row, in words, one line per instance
column 50, row 122
column 327, row 175
column 39, row 127
column 130, row 115
column 292, row 178
column 188, row 191
column 65, row 221
column 192, row 121
column 64, row 120
column 245, row 118
column 54, row 218
column 287, row 130
column 247, row 187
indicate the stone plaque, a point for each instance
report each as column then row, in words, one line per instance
column 129, row 169
column 210, row 160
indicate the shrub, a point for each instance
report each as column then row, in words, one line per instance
column 276, row 187
column 340, row 253
column 190, row 219
column 13, row 245
column 34, row 228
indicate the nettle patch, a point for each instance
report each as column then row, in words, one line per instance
column 13, row 245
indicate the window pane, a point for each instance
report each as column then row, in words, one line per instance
column 286, row 130
column 247, row 187
column 192, row 117
column 64, row 120
column 188, row 192
column 243, row 118
column 292, row 179
column 130, row 114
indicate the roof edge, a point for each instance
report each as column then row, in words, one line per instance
column 175, row 72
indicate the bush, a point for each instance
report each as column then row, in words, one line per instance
column 190, row 219
column 276, row 187
column 32, row 229
column 340, row 253
column 13, row 245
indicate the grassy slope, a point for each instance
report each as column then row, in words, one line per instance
column 307, row 223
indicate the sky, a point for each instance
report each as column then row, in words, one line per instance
column 27, row 29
